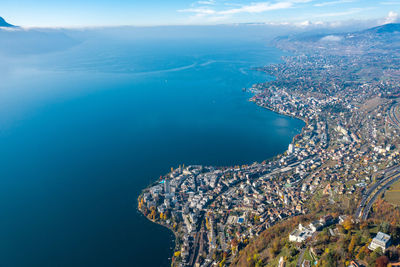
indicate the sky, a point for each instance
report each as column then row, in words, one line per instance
column 81, row 13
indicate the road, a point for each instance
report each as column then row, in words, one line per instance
column 391, row 175
column 303, row 250
column 380, row 191
column 301, row 257
column 393, row 116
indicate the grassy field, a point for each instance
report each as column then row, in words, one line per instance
column 393, row 194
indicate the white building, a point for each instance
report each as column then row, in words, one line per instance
column 290, row 149
column 381, row 240
column 300, row 234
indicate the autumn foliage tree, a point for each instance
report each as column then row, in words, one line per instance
column 384, row 211
column 382, row 261
column 348, row 224
column 352, row 244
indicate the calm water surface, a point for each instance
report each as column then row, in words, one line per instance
column 83, row 131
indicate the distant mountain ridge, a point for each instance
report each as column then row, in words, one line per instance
column 387, row 28
column 4, row 23
column 388, row 34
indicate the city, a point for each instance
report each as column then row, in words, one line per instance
column 348, row 151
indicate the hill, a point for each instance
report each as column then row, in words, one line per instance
column 4, row 23
column 387, row 28
column 385, row 37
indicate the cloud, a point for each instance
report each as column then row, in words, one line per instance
column 391, row 17
column 226, row 11
column 333, row 3
column 207, row 2
column 331, row 38
column 390, row 3
column 338, row 25
column 199, row 11
column 339, row 14
column 258, row 7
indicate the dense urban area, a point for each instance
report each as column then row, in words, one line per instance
column 330, row 199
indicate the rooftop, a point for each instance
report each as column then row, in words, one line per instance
column 382, row 237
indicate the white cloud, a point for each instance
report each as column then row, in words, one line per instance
column 390, row 3
column 331, row 38
column 391, row 17
column 337, row 24
column 258, row 8
column 208, row 13
column 207, row 2
column 333, row 3
column 339, row 14
column 199, row 11
column 305, row 23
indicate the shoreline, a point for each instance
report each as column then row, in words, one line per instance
column 176, row 233
column 287, row 115
column 344, row 142
column 165, row 226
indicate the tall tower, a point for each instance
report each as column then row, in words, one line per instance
column 167, row 187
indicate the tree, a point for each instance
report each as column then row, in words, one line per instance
column 364, row 225
column 352, row 244
column 293, row 252
column 274, row 250
column 384, row 227
column 330, row 260
column 153, row 213
column 141, row 202
column 348, row 224
column 361, row 253
column 374, row 256
column 382, row 261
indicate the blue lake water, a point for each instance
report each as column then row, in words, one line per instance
column 84, row 130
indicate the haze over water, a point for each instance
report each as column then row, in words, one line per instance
column 85, row 129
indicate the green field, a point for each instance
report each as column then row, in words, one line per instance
column 393, row 194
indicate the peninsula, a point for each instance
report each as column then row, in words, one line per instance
column 346, row 88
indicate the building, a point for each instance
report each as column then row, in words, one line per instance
column 281, row 262
column 381, row 240
column 315, row 226
column 342, row 218
column 290, row 149
column 300, row 234
column 355, row 264
column 167, row 187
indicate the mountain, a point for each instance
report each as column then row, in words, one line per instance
column 4, row 23
column 387, row 28
column 385, row 36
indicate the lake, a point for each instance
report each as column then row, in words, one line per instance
column 84, row 129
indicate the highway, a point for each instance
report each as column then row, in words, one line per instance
column 393, row 116
column 366, row 195
column 367, row 208
column 391, row 175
